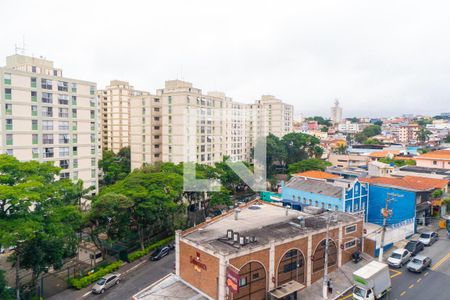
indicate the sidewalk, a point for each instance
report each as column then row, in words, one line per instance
column 71, row 293
column 342, row 282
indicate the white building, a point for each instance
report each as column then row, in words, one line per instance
column 48, row 117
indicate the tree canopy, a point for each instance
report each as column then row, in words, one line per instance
column 114, row 166
column 39, row 215
column 308, row 165
column 368, row 132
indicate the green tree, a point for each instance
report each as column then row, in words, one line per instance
column 5, row 292
column 308, row 165
column 220, row 200
column 342, row 149
column 301, row 146
column 37, row 216
column 423, row 135
column 320, row 120
column 398, row 162
column 114, row 166
column 324, row 129
column 368, row 132
column 371, row 141
column 378, row 122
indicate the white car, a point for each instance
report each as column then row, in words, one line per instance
column 428, row 238
column 399, row 258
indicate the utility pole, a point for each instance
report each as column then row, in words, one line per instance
column 325, row 267
column 386, row 212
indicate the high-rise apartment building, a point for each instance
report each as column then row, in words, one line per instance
column 181, row 123
column 48, row 117
column 336, row 112
column 115, row 114
column 145, row 130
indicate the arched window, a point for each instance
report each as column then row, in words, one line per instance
column 291, row 267
column 252, row 282
column 319, row 255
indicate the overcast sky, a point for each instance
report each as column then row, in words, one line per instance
column 379, row 58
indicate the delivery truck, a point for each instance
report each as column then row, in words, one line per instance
column 372, row 281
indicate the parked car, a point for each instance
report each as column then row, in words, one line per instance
column 428, row 238
column 399, row 257
column 414, row 247
column 160, row 253
column 105, row 283
column 419, row 263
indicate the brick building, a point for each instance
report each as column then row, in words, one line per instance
column 250, row 252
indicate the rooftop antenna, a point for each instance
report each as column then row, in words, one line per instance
column 22, row 49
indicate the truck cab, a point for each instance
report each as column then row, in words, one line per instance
column 360, row 293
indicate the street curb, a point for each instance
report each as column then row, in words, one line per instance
column 342, row 293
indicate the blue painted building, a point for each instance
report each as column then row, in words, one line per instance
column 331, row 194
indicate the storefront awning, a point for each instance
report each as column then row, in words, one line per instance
column 286, row 289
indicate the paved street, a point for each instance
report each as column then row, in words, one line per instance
column 130, row 284
column 431, row 284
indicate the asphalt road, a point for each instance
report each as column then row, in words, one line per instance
column 431, row 284
column 138, row 279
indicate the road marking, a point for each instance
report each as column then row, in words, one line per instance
column 87, row 294
column 396, row 273
column 403, row 293
column 346, row 297
column 426, row 274
column 418, row 280
column 411, row 286
column 440, row 262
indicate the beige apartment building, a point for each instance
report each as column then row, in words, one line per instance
column 181, row 123
column 48, row 117
column 145, row 130
column 115, row 114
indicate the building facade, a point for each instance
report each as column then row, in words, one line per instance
column 336, row 112
column 116, row 101
column 262, row 248
column 328, row 194
column 205, row 127
column 439, row 159
column 48, row 117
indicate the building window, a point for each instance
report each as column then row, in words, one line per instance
column 434, row 162
column 350, row 229
column 63, row 86
column 47, row 139
column 92, row 90
column 92, row 114
column 63, row 125
column 74, row 125
column 319, row 255
column 8, row 109
column 92, row 102
column 9, row 139
column 63, row 113
column 33, row 82
column 252, row 282
column 64, row 138
column 75, row 151
column 34, row 110
column 48, row 153
column 75, row 163
column 93, row 173
column 74, row 113
column 9, row 152
column 74, row 138
column 8, row 124
column 64, row 164
column 8, row 94
column 47, row 112
column 291, row 267
column 74, row 87
column 33, row 96
column 350, row 244
column 35, row 139
column 75, row 175
column 7, row 78
column 74, row 100
column 64, row 151
column 46, row 84
column 63, row 99
column 64, row 175
column 35, row 152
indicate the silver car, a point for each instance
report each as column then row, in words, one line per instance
column 419, row 263
column 398, row 258
column 428, row 238
column 105, row 283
